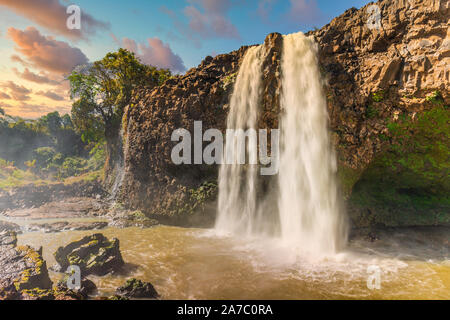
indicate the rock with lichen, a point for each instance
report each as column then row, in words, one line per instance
column 137, row 289
column 94, row 254
column 87, row 287
column 22, row 269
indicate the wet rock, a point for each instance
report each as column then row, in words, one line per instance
column 66, row 226
column 113, row 298
column 50, row 294
column 127, row 219
column 94, row 254
column 137, row 289
column 87, row 288
column 8, row 238
column 9, row 226
column 35, row 275
column 21, row 268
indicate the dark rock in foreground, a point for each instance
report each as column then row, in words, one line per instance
column 87, row 287
column 22, row 269
column 137, row 289
column 93, row 254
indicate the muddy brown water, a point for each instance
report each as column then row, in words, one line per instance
column 198, row 264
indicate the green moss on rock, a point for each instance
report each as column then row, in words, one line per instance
column 93, row 254
column 408, row 184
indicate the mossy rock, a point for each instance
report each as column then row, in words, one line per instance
column 94, row 254
column 137, row 289
column 35, row 276
column 87, row 287
column 408, row 184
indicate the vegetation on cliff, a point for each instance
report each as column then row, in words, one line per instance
column 408, row 183
column 102, row 90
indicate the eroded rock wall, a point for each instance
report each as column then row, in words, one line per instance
column 375, row 78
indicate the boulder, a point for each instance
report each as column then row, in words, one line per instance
column 137, row 289
column 94, row 254
column 87, row 288
column 125, row 219
column 22, row 268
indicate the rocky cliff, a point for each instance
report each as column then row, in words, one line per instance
column 387, row 91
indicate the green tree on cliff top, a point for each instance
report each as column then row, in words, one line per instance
column 102, row 90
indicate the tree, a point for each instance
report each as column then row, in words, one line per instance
column 51, row 122
column 102, row 90
column 66, row 121
column 2, row 112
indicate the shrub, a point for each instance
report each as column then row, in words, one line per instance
column 97, row 157
column 435, row 98
column 72, row 166
column 43, row 157
column 378, row 96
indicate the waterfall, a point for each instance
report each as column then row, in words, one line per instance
column 307, row 204
column 119, row 169
column 237, row 183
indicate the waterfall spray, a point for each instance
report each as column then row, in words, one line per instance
column 308, row 203
column 307, row 207
column 237, row 183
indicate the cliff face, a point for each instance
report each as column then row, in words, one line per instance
column 392, row 69
column 388, row 102
column 384, row 86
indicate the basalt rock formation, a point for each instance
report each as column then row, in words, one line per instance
column 22, row 268
column 137, row 289
column 94, row 254
column 387, row 91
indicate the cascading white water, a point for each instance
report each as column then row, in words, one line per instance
column 308, row 208
column 308, row 203
column 237, row 183
column 119, row 168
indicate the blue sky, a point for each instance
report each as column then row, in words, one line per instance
column 176, row 34
column 140, row 19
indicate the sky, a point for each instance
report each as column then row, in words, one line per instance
column 38, row 50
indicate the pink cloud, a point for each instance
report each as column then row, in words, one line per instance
column 46, row 52
column 304, row 11
column 34, row 77
column 211, row 21
column 155, row 53
column 51, row 14
column 5, row 96
column 207, row 19
column 18, row 92
column 50, row 95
